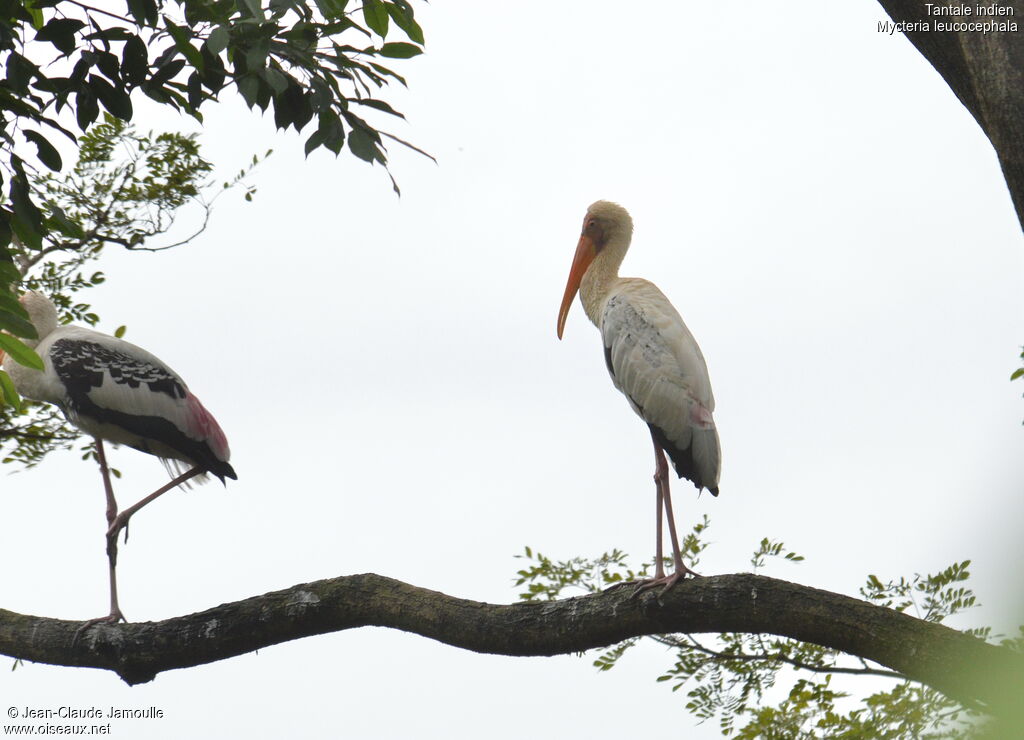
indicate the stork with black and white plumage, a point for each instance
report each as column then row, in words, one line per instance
column 653, row 359
column 118, row 392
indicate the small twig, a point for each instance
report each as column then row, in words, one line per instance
column 10, row 433
column 778, row 658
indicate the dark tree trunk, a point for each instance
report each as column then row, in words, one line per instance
column 984, row 70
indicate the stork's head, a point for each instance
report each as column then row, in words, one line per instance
column 607, row 230
column 41, row 313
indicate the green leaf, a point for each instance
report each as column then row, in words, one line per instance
column 165, row 73
column 401, row 12
column 119, row 331
column 29, row 235
column 20, row 72
column 316, row 139
column 362, row 145
column 116, row 101
column 379, row 105
column 1017, row 373
column 35, row 13
column 214, row 74
column 11, row 304
column 400, row 50
column 26, row 212
column 109, row 65
column 58, row 220
column 182, row 40
column 255, row 9
column 86, row 107
column 10, row 394
column 61, row 33
column 48, row 155
column 375, row 13
column 331, row 9
column 134, row 61
column 380, row 69
column 249, row 87
column 110, row 34
column 277, row 81
column 20, row 353
column 332, row 130
column 256, row 56
column 218, row 40
column 195, row 90
column 17, row 325
column 145, row 12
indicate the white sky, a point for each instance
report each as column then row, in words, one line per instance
column 826, row 216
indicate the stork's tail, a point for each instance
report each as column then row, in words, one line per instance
column 700, row 462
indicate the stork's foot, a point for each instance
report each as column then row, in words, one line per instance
column 665, row 582
column 114, row 617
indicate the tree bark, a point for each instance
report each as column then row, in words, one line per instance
column 984, row 70
column 961, row 666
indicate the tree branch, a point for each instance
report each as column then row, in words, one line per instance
column 961, row 666
column 16, row 432
column 776, row 657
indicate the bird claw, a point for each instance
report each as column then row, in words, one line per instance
column 666, row 582
column 113, row 618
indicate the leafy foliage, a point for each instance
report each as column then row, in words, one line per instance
column 126, row 189
column 308, row 60
column 737, row 678
column 547, row 579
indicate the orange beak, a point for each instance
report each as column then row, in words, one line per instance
column 585, row 253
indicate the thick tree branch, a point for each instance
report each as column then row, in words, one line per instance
column 957, row 664
column 986, row 72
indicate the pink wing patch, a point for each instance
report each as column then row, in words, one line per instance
column 202, row 425
column 700, row 417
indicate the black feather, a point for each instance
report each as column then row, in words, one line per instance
column 682, row 460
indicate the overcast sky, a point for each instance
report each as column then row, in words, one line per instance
column 828, row 219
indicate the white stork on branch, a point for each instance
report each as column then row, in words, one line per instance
column 115, row 391
column 653, row 359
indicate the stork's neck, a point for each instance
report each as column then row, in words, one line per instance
column 602, row 277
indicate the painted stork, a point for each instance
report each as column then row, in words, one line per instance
column 115, row 391
column 653, row 359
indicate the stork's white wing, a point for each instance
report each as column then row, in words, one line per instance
column 656, row 363
column 116, row 375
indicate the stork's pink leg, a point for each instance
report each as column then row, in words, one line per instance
column 677, row 556
column 121, row 520
column 661, row 479
column 115, row 615
column 659, row 565
column 115, row 610
column 107, row 486
column 116, row 521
